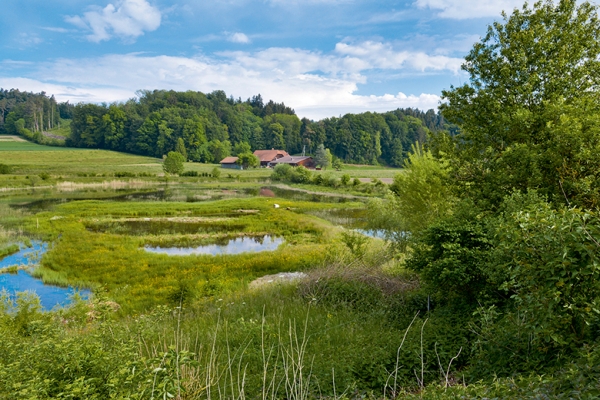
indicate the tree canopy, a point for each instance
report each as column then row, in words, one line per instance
column 531, row 103
column 212, row 126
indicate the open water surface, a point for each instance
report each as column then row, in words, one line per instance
column 13, row 283
column 233, row 246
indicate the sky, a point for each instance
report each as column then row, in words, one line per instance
column 322, row 58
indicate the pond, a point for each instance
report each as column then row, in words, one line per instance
column 374, row 233
column 50, row 296
column 234, row 246
column 34, row 201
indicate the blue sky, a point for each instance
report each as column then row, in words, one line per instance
column 321, row 57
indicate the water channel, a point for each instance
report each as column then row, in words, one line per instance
column 21, row 281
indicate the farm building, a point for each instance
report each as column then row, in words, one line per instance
column 268, row 156
column 294, row 161
column 231, row 163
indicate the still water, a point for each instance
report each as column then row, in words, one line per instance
column 50, row 296
column 234, row 246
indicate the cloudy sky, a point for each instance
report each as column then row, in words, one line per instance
column 320, row 57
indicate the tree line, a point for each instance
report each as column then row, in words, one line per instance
column 212, row 125
column 30, row 114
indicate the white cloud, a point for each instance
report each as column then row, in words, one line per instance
column 315, row 84
column 384, row 56
column 239, row 37
column 126, row 19
column 62, row 92
column 465, row 9
column 25, row 40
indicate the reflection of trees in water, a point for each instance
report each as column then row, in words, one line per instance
column 225, row 246
column 266, row 192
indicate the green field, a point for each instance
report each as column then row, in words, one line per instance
column 18, row 147
column 74, row 201
column 79, row 165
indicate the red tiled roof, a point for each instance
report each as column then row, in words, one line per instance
column 269, row 155
column 229, row 160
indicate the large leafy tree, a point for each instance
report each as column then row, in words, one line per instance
column 531, row 73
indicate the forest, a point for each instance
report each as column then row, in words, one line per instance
column 211, row 125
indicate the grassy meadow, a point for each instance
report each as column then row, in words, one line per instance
column 31, row 158
column 98, row 210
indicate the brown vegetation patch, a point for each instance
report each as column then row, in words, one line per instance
column 374, row 277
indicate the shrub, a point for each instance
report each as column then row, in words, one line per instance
column 281, row 172
column 5, row 169
column 345, row 179
column 300, row 175
column 216, row 173
column 190, row 173
column 318, row 179
column 124, row 174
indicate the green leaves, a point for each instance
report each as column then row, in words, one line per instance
column 422, row 190
column 553, row 261
column 530, row 78
column 173, row 163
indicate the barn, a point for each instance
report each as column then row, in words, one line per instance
column 230, row 163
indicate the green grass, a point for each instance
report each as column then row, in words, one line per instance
column 64, row 130
column 138, row 280
column 30, row 158
column 21, row 147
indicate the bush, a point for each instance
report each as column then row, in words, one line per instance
column 345, row 179
column 281, row 172
column 318, row 179
column 216, row 173
column 300, row 175
column 190, row 173
column 123, row 174
column 5, row 169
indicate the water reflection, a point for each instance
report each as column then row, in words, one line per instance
column 374, row 233
column 234, row 246
column 12, row 283
column 44, row 200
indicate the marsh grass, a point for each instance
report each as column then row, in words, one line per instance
column 270, row 343
column 8, row 250
column 101, row 245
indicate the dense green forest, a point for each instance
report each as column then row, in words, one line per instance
column 211, row 125
column 32, row 114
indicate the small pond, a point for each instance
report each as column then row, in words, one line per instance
column 301, row 195
column 50, row 296
column 374, row 233
column 234, row 246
